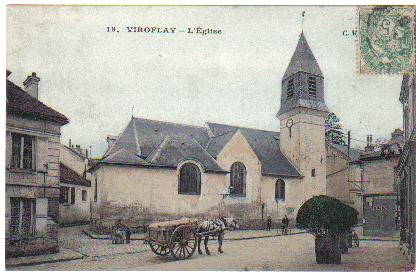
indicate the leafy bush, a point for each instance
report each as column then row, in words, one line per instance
column 322, row 214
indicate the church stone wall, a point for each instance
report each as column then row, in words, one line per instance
column 294, row 194
column 138, row 196
column 305, row 148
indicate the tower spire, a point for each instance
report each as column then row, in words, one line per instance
column 303, row 60
column 303, row 81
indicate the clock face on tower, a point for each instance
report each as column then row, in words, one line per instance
column 289, row 123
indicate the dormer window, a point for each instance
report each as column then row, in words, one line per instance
column 290, row 88
column 312, row 86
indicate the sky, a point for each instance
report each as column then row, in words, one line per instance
column 99, row 79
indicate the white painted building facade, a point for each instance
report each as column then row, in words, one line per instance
column 75, row 191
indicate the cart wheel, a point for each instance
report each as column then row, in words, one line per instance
column 161, row 250
column 183, row 242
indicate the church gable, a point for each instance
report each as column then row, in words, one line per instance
column 175, row 150
column 237, row 149
column 265, row 145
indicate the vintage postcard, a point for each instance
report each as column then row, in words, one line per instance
column 224, row 138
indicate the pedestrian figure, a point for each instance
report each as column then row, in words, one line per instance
column 128, row 234
column 118, row 233
column 269, row 223
column 285, row 224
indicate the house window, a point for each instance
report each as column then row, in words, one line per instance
column 313, row 172
column 22, row 151
column 312, row 86
column 290, row 88
column 72, row 196
column 95, row 191
column 279, row 192
column 64, row 195
column 189, row 179
column 22, row 216
column 238, row 179
column 84, row 195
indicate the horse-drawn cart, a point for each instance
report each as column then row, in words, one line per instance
column 178, row 237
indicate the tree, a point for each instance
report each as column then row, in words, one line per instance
column 333, row 130
column 329, row 220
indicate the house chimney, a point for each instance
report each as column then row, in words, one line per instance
column 370, row 146
column 31, row 85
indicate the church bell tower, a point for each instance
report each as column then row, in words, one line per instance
column 302, row 118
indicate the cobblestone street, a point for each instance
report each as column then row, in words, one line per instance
column 295, row 252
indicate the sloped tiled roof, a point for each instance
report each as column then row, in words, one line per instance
column 69, row 176
column 122, row 156
column 265, row 145
column 152, row 143
column 144, row 135
column 354, row 152
column 20, row 102
column 175, row 149
column 303, row 60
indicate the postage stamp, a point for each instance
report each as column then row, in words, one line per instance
column 386, row 39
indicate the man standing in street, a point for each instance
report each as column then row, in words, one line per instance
column 269, row 222
column 285, row 224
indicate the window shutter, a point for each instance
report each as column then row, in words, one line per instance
column 72, row 195
column 41, row 158
column 16, row 151
column 8, row 150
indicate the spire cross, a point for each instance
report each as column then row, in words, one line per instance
column 303, row 18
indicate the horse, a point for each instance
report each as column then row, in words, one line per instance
column 214, row 227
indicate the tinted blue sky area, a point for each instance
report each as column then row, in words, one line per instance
column 96, row 77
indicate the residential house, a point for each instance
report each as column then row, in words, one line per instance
column 75, row 191
column 406, row 169
column 32, row 170
column 375, row 185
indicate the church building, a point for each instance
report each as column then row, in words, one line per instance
column 156, row 170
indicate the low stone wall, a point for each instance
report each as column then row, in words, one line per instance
column 31, row 246
column 136, row 217
column 35, row 244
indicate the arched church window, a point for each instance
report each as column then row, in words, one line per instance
column 189, row 179
column 279, row 192
column 312, row 86
column 290, row 88
column 238, row 179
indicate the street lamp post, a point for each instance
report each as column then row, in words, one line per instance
column 224, row 195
